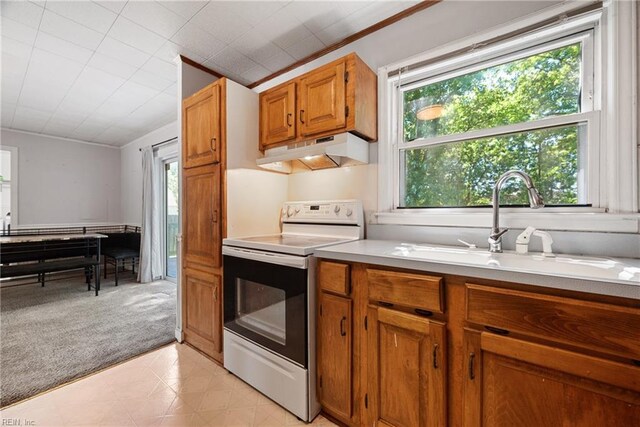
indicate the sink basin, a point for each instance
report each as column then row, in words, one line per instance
column 560, row 265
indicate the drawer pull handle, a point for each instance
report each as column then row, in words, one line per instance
column 422, row 312
column 497, row 330
column 212, row 146
column 343, row 332
column 435, row 356
column 301, row 116
column 385, row 304
column 472, row 374
column 289, row 120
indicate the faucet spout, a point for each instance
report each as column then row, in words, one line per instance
column 535, row 201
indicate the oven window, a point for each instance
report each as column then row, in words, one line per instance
column 262, row 309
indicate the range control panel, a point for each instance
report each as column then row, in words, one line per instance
column 323, row 212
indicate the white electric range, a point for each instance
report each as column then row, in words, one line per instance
column 269, row 300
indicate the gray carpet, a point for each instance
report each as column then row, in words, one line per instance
column 61, row 332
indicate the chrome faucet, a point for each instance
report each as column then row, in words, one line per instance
column 535, row 201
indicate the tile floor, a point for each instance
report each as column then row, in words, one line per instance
column 171, row 386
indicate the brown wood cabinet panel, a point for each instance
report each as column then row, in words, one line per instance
column 406, row 379
column 201, row 133
column 591, row 325
column 511, row 382
column 202, row 305
column 334, row 277
column 335, row 347
column 202, row 217
column 277, row 115
column 407, row 289
column 322, row 100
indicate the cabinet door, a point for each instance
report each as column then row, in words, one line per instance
column 322, row 97
column 201, row 213
column 277, row 115
column 406, row 375
column 335, row 341
column 513, row 382
column 201, row 128
column 202, row 303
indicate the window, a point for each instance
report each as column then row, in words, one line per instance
column 553, row 94
column 527, row 110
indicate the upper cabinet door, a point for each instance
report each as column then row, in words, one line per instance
column 322, row 100
column 277, row 115
column 201, row 127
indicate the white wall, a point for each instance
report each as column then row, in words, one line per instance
column 438, row 25
column 131, row 171
column 65, row 182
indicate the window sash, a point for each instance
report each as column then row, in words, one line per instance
column 547, row 122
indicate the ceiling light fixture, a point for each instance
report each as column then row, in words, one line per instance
column 430, row 112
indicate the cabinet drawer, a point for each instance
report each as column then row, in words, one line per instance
column 590, row 325
column 334, row 277
column 407, row 289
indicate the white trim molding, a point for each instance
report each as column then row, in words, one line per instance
column 620, row 126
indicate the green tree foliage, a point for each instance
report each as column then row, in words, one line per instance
column 463, row 173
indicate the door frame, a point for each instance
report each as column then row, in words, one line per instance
column 14, row 184
column 165, row 155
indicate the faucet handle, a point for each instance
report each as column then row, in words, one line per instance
column 469, row 245
column 496, row 235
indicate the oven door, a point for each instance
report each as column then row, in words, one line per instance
column 265, row 300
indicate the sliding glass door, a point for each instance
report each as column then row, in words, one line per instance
column 171, row 207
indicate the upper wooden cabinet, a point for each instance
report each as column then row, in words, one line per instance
column 322, row 104
column 277, row 115
column 201, row 127
column 338, row 97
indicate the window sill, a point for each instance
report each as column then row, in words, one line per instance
column 566, row 221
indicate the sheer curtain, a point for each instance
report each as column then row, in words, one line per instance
column 150, row 241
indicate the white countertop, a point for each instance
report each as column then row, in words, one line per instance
column 606, row 276
column 49, row 237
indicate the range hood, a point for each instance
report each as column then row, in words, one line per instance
column 344, row 149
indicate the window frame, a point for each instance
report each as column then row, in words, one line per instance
column 587, row 114
column 595, row 47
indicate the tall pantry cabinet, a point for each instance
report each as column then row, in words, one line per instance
column 209, row 121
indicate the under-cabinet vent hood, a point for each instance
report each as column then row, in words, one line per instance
column 344, row 149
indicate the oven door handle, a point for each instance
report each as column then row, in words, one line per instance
column 270, row 257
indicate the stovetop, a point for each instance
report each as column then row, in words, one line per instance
column 307, row 226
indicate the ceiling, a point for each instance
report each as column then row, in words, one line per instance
column 103, row 71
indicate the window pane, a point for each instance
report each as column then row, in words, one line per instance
column 542, row 85
column 462, row 174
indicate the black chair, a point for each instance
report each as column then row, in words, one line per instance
column 120, row 247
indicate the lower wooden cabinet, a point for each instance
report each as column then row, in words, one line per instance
column 202, row 306
column 515, row 382
column 335, row 346
column 496, row 354
column 406, row 370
